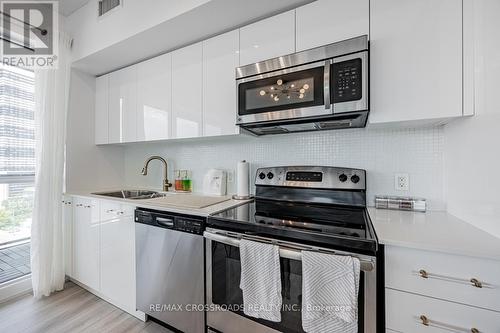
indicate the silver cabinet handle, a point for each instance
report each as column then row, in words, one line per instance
column 79, row 205
column 427, row 322
column 110, row 210
column 87, row 206
column 473, row 281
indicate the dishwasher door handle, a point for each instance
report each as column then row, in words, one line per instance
column 169, row 223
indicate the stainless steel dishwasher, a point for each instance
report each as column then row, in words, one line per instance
column 170, row 268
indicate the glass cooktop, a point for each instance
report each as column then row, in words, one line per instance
column 326, row 225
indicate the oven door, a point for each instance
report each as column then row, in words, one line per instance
column 225, row 298
column 291, row 93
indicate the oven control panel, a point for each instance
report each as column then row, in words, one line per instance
column 312, row 177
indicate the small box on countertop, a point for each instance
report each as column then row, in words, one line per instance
column 400, row 203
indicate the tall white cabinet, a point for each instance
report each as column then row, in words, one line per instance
column 269, row 38
column 123, row 105
column 154, row 98
column 415, row 60
column 220, row 58
column 327, row 21
column 86, row 242
column 117, row 254
column 186, row 91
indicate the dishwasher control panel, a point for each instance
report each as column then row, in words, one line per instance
column 169, row 220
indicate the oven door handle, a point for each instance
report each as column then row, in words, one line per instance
column 366, row 266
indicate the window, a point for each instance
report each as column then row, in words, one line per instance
column 17, row 153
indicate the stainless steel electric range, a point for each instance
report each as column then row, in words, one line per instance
column 298, row 208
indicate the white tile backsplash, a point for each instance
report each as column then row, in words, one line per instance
column 381, row 152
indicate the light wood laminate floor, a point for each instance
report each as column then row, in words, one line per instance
column 72, row 310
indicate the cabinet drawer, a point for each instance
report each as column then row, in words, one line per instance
column 111, row 210
column 404, row 313
column 444, row 276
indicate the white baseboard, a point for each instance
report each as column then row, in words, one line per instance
column 15, row 288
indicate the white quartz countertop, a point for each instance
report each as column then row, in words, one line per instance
column 433, row 231
column 159, row 204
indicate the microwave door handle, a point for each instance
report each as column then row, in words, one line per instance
column 326, row 84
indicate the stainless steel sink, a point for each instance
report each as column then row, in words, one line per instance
column 132, row 194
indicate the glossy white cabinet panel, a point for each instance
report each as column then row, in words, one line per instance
column 117, row 248
column 154, row 98
column 449, row 276
column 269, row 38
column 123, row 105
column 327, row 21
column 220, row 59
column 67, row 218
column 403, row 311
column 101, row 109
column 86, row 234
column 415, row 60
column 187, row 91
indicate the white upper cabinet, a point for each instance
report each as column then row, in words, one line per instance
column 123, row 105
column 415, row 60
column 220, row 59
column 269, row 38
column 101, row 110
column 186, row 91
column 327, row 21
column 154, row 98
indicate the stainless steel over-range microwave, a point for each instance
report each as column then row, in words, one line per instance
column 317, row 89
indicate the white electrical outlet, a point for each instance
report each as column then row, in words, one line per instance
column 402, row 181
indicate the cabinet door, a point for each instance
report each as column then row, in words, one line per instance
column 86, row 242
column 101, row 110
column 327, row 21
column 154, row 98
column 118, row 259
column 415, row 60
column 67, row 218
column 186, row 91
column 220, row 59
column 123, row 105
column 269, row 38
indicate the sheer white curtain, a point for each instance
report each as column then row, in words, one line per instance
column 51, row 101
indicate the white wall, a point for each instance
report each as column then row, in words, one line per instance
column 88, row 167
column 92, row 34
column 382, row 152
column 472, row 146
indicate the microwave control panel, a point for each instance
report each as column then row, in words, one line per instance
column 346, row 81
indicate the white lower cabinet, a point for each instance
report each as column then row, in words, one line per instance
column 86, row 232
column 410, row 313
column 103, row 250
column 118, row 258
column 67, row 219
column 428, row 291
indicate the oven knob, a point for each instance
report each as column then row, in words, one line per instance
column 354, row 179
column 342, row 178
column 270, row 175
column 262, row 175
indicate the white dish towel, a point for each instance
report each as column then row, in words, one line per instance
column 260, row 280
column 330, row 286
